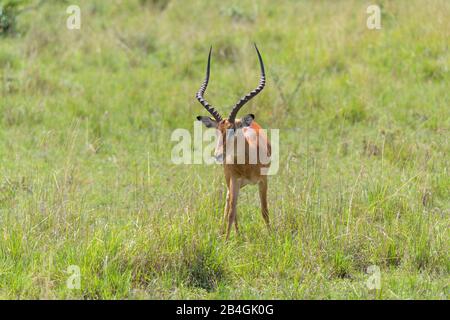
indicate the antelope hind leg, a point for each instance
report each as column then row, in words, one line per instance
column 234, row 192
column 263, row 198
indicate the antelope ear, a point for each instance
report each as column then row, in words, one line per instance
column 207, row 121
column 247, row 120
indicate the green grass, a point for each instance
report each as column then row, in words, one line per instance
column 85, row 171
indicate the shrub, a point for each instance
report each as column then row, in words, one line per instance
column 8, row 14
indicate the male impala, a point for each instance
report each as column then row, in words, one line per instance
column 240, row 165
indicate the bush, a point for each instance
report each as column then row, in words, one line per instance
column 8, row 14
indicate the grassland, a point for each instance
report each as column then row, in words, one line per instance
column 86, row 177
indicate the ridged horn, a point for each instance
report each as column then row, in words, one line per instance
column 251, row 94
column 202, row 90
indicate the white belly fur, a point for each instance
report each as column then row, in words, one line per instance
column 244, row 181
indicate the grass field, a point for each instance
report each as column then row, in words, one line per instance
column 86, row 177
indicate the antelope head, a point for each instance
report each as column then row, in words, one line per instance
column 229, row 128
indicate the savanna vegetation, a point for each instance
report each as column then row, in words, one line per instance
column 86, row 177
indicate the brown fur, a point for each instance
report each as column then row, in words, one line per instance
column 239, row 175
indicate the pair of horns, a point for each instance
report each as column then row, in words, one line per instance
column 241, row 102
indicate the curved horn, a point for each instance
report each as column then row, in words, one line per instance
column 251, row 94
column 202, row 90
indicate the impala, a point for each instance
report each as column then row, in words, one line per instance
column 240, row 166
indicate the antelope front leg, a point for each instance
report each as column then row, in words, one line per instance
column 263, row 198
column 227, row 210
column 227, row 204
column 234, row 193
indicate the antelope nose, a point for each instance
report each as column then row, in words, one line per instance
column 218, row 158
